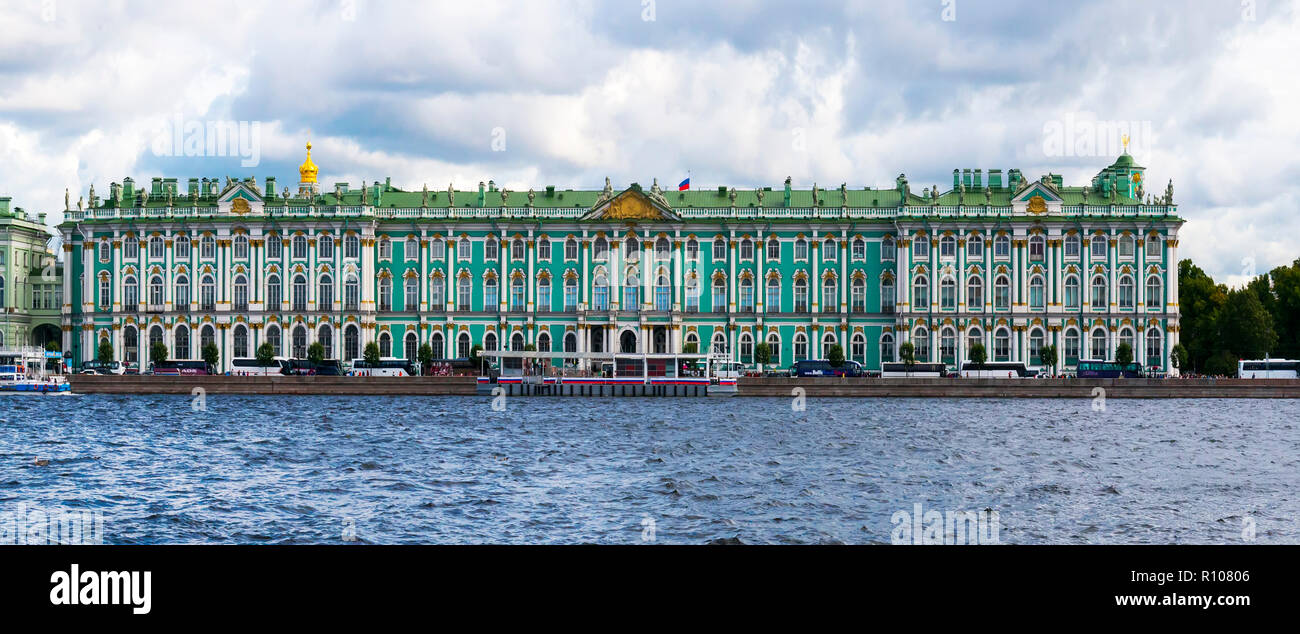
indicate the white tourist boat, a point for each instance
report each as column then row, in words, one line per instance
column 23, row 371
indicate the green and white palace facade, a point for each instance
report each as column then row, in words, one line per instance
column 1008, row 261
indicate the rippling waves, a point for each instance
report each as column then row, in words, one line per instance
column 254, row 469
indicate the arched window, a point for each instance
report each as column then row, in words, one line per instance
column 887, row 348
column 241, row 294
column 1002, row 246
column 351, row 293
column 464, row 249
column 921, row 344
column 131, row 249
column 490, row 342
column 571, row 294
column 774, row 347
column 800, row 295
column 859, row 296
column 325, row 247
column 948, row 293
column 830, row 251
column 462, row 346
column 948, row 247
column 772, row 300
column 325, row 293
column 181, row 344
column 156, row 248
column 385, row 251
column 830, row 299
column 859, row 251
column 1071, row 352
column 351, row 246
column 207, row 337
column 1153, row 248
column 208, row 293
column 240, row 247
column 800, row 346
column 411, row 299
column 800, row 249
column 385, row 345
column 385, row 293
column 920, row 293
column 858, row 348
column 1155, row 293
column 105, row 292
column 1070, row 246
column 631, row 249
column 975, row 293
column 435, row 342
column 300, row 293
column 208, row 248
column 273, row 297
column 631, row 296
column 544, row 342
column 719, row 249
column 600, row 293
column 920, row 248
column 774, row 249
column 1099, row 292
column 155, row 337
column 325, row 336
column 1126, row 247
column 1002, row 345
column 544, row 295
column 570, row 342
column 241, row 342
column 1037, row 248
column 663, row 294
column 300, row 247
column 746, row 249
column 974, row 336
column 130, row 345
column 746, row 343
column 299, row 347
column 105, row 251
column 887, row 295
column 273, row 338
column 351, row 343
column 1072, row 292
column 437, row 293
column 1126, row 291
column 719, row 295
column 692, row 250
column 464, row 294
column 437, row 249
column 517, row 294
column 1002, row 292
column 181, row 250
column 974, row 247
column 661, row 248
column 1154, row 356
column 600, row 249
column 887, row 249
column 692, row 294
column 1098, row 247
column 948, row 345
column 1097, row 349
column 1035, row 347
column 1126, row 337
column 130, row 293
column 1037, row 292
column 491, row 300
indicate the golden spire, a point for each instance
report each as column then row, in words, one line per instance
column 1123, row 138
column 307, row 171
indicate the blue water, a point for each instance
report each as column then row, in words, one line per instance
column 254, row 469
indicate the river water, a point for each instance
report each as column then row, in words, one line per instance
column 268, row 469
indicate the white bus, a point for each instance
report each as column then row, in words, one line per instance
column 250, row 367
column 916, row 370
column 387, row 366
column 1268, row 369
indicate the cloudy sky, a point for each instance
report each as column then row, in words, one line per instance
column 740, row 93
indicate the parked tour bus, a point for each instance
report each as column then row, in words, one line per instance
column 918, row 370
column 822, row 367
column 1268, row 369
column 181, row 368
column 102, row 367
column 1108, row 370
column 999, row 370
column 303, row 367
column 251, row 367
column 387, row 366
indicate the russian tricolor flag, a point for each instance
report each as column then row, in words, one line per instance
column 684, row 185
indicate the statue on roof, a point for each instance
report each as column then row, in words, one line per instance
column 654, row 188
column 732, row 196
column 531, row 195
column 67, row 202
column 934, row 195
column 79, row 203
column 787, row 181
column 1169, row 192
column 844, row 194
column 285, row 194
column 609, row 189
column 338, row 194
column 424, row 196
column 759, row 192
column 961, row 194
column 144, row 198
column 365, row 193
column 988, row 196
column 504, row 192
column 92, row 194
column 816, row 201
column 1085, row 195
column 170, row 192
column 451, row 196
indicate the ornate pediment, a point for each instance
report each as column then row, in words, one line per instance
column 632, row 205
column 1036, row 198
column 240, row 198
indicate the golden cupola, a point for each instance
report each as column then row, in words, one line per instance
column 307, row 171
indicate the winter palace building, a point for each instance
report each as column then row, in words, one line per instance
column 998, row 258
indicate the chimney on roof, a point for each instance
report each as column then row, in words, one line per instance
column 270, row 187
column 482, row 194
column 979, row 178
column 956, row 178
column 995, row 179
column 965, row 177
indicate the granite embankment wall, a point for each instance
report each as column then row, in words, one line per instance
column 868, row 388
column 1025, row 388
column 288, row 385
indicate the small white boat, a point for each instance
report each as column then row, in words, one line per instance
column 22, row 371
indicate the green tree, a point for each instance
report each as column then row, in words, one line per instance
column 105, row 352
column 691, row 348
column 266, row 354
column 316, row 353
column 1246, row 326
column 1201, row 302
column 1286, row 309
column 1124, row 354
column 1047, row 354
column 476, row 358
column 1221, row 363
column 53, row 346
column 835, row 354
column 158, row 352
column 425, row 356
column 907, row 352
column 211, row 354
column 371, row 354
column 762, row 354
column 1178, row 356
column 978, row 355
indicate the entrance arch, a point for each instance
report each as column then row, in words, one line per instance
column 627, row 342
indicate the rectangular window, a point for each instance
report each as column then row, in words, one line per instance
column 1099, row 248
column 438, row 249
column 463, row 249
column 544, row 250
